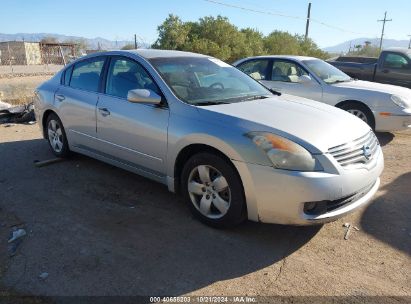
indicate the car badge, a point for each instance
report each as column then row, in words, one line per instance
column 367, row 152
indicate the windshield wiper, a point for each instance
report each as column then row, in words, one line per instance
column 255, row 97
column 274, row 92
column 339, row 81
column 271, row 90
column 209, row 103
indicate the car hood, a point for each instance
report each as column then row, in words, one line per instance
column 376, row 87
column 315, row 125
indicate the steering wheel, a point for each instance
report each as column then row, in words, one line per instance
column 217, row 85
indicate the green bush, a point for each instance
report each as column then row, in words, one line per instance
column 216, row 36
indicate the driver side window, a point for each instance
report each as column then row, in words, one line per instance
column 125, row 75
column 286, row 71
column 395, row 61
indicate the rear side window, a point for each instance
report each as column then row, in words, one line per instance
column 86, row 74
column 257, row 69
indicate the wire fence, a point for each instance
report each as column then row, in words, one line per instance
column 20, row 58
column 25, row 65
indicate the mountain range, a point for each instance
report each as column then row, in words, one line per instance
column 93, row 43
column 106, row 44
column 344, row 46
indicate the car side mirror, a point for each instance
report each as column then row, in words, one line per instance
column 305, row 79
column 143, row 96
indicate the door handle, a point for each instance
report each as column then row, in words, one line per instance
column 60, row 97
column 385, row 71
column 104, row 111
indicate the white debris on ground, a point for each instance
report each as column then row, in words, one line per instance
column 43, row 275
column 4, row 105
column 16, row 234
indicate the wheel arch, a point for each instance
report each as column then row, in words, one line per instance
column 353, row 101
column 46, row 114
column 190, row 150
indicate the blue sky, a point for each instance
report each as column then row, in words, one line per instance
column 120, row 19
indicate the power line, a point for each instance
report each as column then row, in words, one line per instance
column 254, row 10
column 283, row 15
column 383, row 27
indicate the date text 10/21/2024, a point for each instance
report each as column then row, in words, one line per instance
column 204, row 299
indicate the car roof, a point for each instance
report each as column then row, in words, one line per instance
column 154, row 53
column 147, row 53
column 398, row 49
column 292, row 57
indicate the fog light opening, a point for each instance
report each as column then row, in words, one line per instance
column 309, row 206
column 315, row 208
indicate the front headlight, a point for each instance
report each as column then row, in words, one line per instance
column 399, row 101
column 284, row 153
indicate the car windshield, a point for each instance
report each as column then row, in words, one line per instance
column 206, row 81
column 326, row 72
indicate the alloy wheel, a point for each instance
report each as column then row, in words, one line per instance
column 209, row 191
column 55, row 135
column 361, row 115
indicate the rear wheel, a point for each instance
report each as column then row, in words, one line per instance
column 360, row 111
column 56, row 136
column 213, row 190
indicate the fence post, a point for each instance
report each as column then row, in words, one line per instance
column 62, row 55
column 10, row 58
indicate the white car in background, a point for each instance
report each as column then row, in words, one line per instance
column 384, row 107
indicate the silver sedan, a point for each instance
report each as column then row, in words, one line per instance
column 384, row 107
column 232, row 148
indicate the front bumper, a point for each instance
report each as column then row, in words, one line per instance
column 388, row 121
column 279, row 196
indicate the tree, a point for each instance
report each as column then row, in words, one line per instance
column 80, row 45
column 172, row 34
column 309, row 48
column 217, row 37
column 254, row 42
column 128, row 47
column 49, row 39
column 358, row 47
column 280, row 43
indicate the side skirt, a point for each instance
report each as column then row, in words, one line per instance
column 156, row 176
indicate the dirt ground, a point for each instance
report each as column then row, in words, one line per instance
column 99, row 230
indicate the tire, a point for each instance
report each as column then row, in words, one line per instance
column 56, row 136
column 360, row 111
column 217, row 200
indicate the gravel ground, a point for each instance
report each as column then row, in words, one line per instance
column 99, row 230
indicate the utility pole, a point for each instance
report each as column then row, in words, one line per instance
column 409, row 45
column 135, row 41
column 383, row 28
column 307, row 26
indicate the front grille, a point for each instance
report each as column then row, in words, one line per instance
column 360, row 151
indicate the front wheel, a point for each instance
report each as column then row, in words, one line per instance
column 56, row 136
column 213, row 190
column 360, row 111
